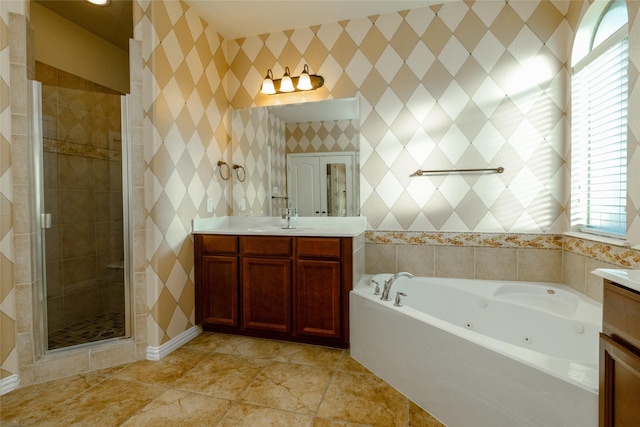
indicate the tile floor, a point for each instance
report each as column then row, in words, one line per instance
column 102, row 326
column 221, row 380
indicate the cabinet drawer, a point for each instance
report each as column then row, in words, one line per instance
column 620, row 313
column 265, row 246
column 219, row 244
column 315, row 247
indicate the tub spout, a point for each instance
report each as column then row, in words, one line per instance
column 388, row 283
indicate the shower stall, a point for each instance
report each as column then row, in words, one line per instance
column 81, row 170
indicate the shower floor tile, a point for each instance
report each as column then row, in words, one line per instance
column 101, row 327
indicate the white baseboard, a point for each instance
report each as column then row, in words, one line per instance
column 157, row 353
column 9, row 383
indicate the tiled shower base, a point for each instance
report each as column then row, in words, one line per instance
column 101, row 327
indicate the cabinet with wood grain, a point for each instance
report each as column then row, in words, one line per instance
column 285, row 287
column 619, row 357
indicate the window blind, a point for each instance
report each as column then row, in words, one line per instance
column 599, row 143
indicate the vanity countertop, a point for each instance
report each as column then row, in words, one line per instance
column 627, row 278
column 272, row 226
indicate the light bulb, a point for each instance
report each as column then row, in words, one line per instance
column 304, row 81
column 267, row 84
column 286, row 85
column 99, row 2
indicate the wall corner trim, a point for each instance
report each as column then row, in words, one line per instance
column 157, row 353
column 9, row 383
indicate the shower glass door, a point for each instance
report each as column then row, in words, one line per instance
column 83, row 216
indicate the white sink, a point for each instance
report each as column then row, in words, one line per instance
column 278, row 230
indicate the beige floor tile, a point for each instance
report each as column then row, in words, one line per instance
column 242, row 415
column 30, row 404
column 109, row 403
column 221, row 375
column 304, row 354
column 418, row 417
column 323, row 422
column 350, row 364
column 363, row 398
column 179, row 408
column 221, row 380
column 208, row 341
column 165, row 371
column 250, row 347
column 289, row 386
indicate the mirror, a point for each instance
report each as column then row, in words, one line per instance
column 296, row 155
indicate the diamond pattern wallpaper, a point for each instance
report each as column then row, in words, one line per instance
column 463, row 85
column 185, row 114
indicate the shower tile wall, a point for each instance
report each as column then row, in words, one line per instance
column 83, row 193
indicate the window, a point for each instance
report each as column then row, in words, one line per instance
column 599, row 121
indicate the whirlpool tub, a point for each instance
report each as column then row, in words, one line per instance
column 483, row 353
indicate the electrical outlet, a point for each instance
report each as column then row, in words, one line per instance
column 209, row 205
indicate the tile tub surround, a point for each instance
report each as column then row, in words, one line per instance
column 222, row 380
column 552, row 258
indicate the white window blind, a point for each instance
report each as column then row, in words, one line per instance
column 599, row 143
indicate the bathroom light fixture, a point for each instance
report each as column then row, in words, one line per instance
column 286, row 85
column 304, row 82
column 267, row 84
column 99, row 2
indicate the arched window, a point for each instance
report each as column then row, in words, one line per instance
column 599, row 120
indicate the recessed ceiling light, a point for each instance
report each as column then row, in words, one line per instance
column 99, row 2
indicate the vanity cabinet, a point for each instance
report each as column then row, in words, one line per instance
column 291, row 288
column 619, row 357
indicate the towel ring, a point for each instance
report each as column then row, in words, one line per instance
column 239, row 168
column 220, row 164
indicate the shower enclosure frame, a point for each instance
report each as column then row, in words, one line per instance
column 42, row 221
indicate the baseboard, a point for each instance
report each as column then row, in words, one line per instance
column 157, row 353
column 9, row 383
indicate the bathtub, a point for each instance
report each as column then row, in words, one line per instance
column 483, row 353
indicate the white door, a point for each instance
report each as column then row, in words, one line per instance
column 308, row 178
column 304, row 191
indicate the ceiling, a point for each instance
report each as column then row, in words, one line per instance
column 243, row 18
column 231, row 18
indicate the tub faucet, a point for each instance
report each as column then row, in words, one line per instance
column 389, row 282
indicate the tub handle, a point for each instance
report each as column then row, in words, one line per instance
column 377, row 290
column 398, row 302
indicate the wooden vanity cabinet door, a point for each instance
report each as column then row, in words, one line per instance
column 619, row 384
column 321, row 288
column 266, row 294
column 619, row 391
column 318, row 298
column 217, row 285
column 219, row 295
column 266, row 283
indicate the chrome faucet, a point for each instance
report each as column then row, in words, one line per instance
column 289, row 218
column 389, row 282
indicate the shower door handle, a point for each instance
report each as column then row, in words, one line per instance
column 45, row 220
